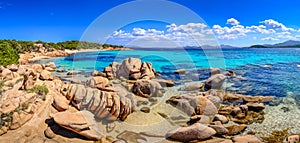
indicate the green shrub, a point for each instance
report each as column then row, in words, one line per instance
column 8, row 54
column 41, row 90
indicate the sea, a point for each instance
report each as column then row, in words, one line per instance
column 259, row 71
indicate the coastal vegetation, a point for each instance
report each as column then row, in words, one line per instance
column 41, row 90
column 10, row 49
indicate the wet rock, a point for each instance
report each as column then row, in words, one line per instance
column 180, row 71
column 71, row 73
column 293, row 139
column 230, row 73
column 246, row 139
column 60, row 71
column 215, row 81
column 81, row 122
column 196, row 131
column 145, row 109
column 214, row 71
column 236, row 129
column 255, row 106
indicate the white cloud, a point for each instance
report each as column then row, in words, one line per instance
column 272, row 24
column 191, row 33
column 188, row 28
column 260, row 29
column 269, row 39
column 232, row 21
column 138, row 32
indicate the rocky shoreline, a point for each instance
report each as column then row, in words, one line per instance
column 126, row 102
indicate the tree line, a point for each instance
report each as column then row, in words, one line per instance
column 10, row 49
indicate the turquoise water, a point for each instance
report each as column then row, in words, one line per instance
column 260, row 71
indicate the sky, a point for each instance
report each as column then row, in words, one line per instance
column 152, row 22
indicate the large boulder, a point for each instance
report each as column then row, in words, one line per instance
column 215, row 82
column 98, row 82
column 196, row 131
column 147, row 72
column 60, row 102
column 37, row 67
column 129, row 67
column 146, row 88
column 81, row 122
column 46, row 75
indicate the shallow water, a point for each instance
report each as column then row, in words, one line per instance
column 259, row 71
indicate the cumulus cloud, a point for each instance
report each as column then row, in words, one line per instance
column 190, row 33
column 232, row 21
column 272, row 24
column 269, row 39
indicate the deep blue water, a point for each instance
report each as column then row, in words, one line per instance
column 260, row 71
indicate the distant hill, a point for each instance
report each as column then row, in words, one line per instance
column 286, row 44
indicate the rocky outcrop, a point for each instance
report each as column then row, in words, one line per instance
column 196, row 131
column 130, row 68
column 46, row 75
column 81, row 122
column 98, row 82
column 41, row 54
column 104, row 105
column 215, row 82
column 147, row 88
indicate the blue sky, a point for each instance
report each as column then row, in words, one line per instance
column 234, row 22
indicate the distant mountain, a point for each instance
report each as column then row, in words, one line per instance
column 286, row 44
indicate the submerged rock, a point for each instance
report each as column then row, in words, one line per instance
column 180, row 71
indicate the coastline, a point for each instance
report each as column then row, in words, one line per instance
column 169, row 108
